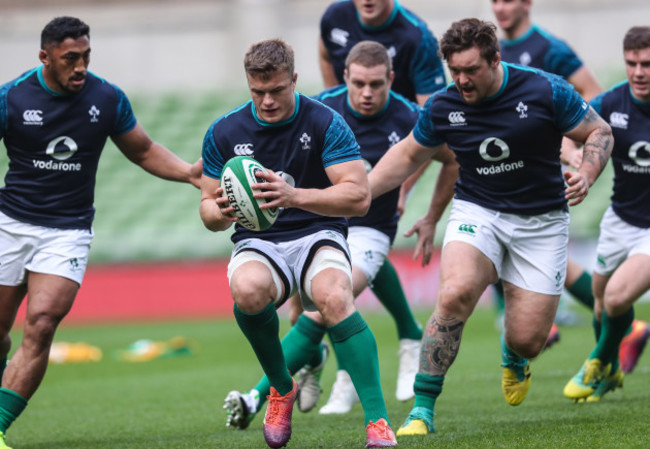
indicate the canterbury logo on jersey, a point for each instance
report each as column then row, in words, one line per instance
column 339, row 36
column 618, row 120
column 457, row 118
column 33, row 117
column 243, row 149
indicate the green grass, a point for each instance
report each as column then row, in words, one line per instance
column 177, row 402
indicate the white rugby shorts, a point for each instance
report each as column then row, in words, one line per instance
column 369, row 248
column 26, row 247
column 288, row 261
column 529, row 251
column 618, row 240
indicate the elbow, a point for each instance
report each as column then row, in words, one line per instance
column 362, row 205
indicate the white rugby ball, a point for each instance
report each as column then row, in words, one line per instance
column 236, row 178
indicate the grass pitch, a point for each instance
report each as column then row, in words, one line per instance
column 177, row 402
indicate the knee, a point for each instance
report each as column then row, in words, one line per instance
column 616, row 300
column 334, row 303
column 251, row 295
column 454, row 301
column 40, row 328
column 527, row 345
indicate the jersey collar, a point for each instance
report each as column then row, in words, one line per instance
column 396, row 8
column 41, row 80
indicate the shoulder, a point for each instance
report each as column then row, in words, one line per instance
column 338, row 10
column 332, row 93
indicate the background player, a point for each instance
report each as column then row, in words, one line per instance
column 622, row 272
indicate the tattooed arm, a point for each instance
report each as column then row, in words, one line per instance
column 598, row 142
column 440, row 344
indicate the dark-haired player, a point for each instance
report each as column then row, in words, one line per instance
column 509, row 217
column 622, row 271
column 54, row 121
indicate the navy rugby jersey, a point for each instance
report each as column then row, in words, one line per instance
column 508, row 146
column 375, row 136
column 540, row 50
column 411, row 45
column 299, row 149
column 54, row 142
column 630, row 122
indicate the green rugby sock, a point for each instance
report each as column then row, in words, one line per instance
column 388, row 289
column 613, row 330
column 261, row 329
column 11, row 406
column 499, row 297
column 299, row 345
column 355, row 344
column 427, row 389
column 581, row 290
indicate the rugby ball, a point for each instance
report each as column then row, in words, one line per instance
column 236, row 178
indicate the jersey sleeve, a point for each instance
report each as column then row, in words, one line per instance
column 340, row 144
column 424, row 132
column 427, row 70
column 125, row 118
column 3, row 109
column 570, row 107
column 212, row 159
column 597, row 103
column 561, row 59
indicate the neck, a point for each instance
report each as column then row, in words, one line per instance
column 518, row 30
column 497, row 81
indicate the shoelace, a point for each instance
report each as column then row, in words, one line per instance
column 380, row 428
column 275, row 406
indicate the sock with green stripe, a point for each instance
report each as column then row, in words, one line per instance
column 613, row 330
column 427, row 389
column 356, row 346
column 301, row 345
column 388, row 289
column 11, row 406
column 581, row 290
column 261, row 329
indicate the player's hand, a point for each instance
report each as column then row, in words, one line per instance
column 578, row 187
column 426, row 229
column 224, row 206
column 276, row 191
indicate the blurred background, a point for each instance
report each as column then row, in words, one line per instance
column 180, row 63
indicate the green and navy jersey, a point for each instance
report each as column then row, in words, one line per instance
column 298, row 148
column 375, row 136
column 411, row 45
column 54, row 142
column 541, row 50
column 508, row 146
column 630, row 122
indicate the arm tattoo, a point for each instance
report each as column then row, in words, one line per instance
column 598, row 145
column 440, row 344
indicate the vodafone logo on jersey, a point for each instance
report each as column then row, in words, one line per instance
column 59, row 149
column 33, row 117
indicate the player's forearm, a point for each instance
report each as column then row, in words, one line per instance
column 161, row 162
column 212, row 219
column 346, row 199
column 399, row 162
column 596, row 152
